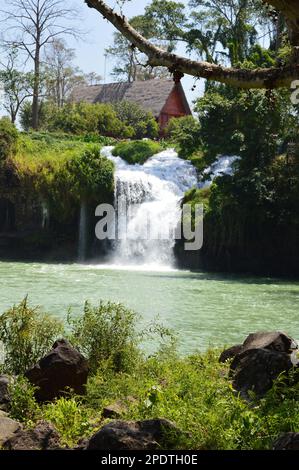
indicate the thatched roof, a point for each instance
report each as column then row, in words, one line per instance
column 150, row 94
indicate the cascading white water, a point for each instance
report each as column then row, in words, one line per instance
column 222, row 166
column 151, row 194
column 82, row 244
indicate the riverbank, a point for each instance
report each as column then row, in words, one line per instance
column 124, row 399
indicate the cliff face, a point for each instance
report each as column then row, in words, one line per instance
column 29, row 231
column 276, row 257
column 42, row 186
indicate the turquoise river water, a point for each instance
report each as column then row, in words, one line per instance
column 204, row 309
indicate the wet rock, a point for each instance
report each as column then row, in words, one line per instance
column 287, row 441
column 62, row 369
column 132, row 435
column 256, row 369
column 8, row 428
column 43, row 437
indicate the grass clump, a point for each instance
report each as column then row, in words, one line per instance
column 27, row 334
column 70, row 418
column 137, row 151
column 196, row 393
column 23, row 406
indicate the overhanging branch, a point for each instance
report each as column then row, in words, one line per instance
column 242, row 78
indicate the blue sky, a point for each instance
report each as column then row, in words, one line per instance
column 99, row 35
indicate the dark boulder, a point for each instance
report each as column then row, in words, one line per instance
column 230, row 353
column 8, row 427
column 5, row 381
column 62, row 369
column 132, row 435
column 273, row 341
column 43, row 437
column 288, row 441
column 255, row 369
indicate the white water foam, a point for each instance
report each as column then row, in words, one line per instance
column 224, row 165
column 152, row 193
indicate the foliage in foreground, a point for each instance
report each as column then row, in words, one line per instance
column 195, row 391
column 27, row 334
column 106, row 335
column 23, row 406
column 137, row 151
column 70, row 417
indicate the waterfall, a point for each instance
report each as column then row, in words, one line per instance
column 222, row 166
column 82, row 245
column 147, row 200
column 45, row 215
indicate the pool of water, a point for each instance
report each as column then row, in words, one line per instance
column 203, row 309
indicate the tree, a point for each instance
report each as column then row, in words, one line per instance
column 230, row 123
column 60, row 75
column 129, row 63
column 186, row 132
column 17, row 85
column 142, row 122
column 92, row 78
column 34, row 24
column 241, row 77
column 230, row 24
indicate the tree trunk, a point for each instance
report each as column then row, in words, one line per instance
column 35, row 101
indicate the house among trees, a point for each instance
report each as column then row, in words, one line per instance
column 165, row 98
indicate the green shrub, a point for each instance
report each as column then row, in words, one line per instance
column 195, row 392
column 70, row 418
column 8, row 139
column 106, row 335
column 136, row 151
column 27, row 334
column 197, row 196
column 231, row 122
column 78, row 119
column 121, row 120
column 186, row 133
column 142, row 122
column 91, row 176
column 23, row 406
